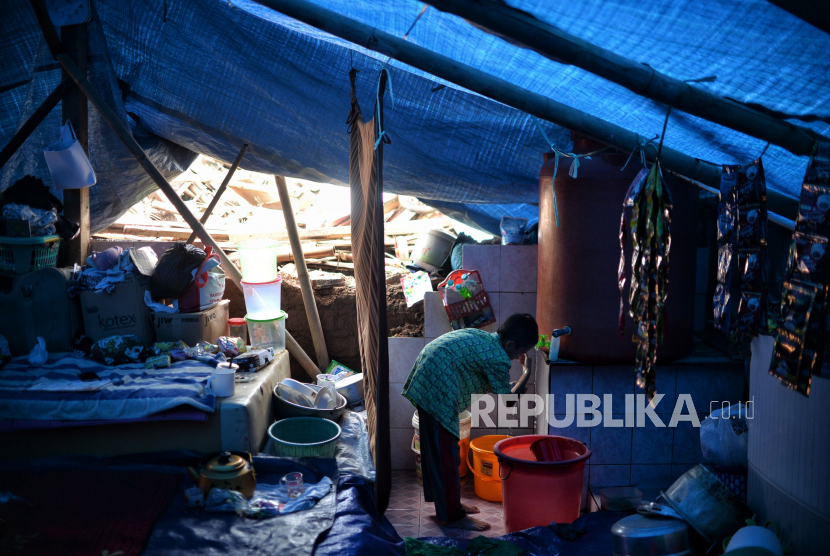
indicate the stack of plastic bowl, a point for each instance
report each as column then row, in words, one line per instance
column 262, row 286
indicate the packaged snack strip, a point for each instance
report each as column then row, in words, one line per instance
column 786, row 358
column 752, row 268
column 814, row 210
column 727, row 219
column 809, row 261
column 818, row 169
column 231, row 347
column 752, row 313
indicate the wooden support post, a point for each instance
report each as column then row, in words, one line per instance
column 34, row 120
column 132, row 145
column 221, row 190
column 76, row 110
column 506, row 93
column 302, row 275
column 525, row 30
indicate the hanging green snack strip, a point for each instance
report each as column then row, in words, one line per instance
column 650, row 229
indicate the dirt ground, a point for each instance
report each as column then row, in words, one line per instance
column 338, row 317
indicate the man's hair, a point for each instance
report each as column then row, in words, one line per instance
column 521, row 328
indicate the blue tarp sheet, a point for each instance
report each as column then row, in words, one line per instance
column 207, row 76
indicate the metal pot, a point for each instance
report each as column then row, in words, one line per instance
column 707, row 504
column 284, row 409
column 228, row 470
column 638, row 535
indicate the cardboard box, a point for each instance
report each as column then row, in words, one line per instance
column 193, row 327
column 119, row 313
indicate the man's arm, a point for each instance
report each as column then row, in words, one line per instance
column 521, row 384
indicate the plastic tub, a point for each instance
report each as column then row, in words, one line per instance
column 465, row 420
column 267, row 332
column 262, row 301
column 309, row 437
column 258, row 259
column 432, row 249
column 485, row 467
column 540, row 492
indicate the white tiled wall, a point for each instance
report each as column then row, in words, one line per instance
column 508, row 274
column 649, row 457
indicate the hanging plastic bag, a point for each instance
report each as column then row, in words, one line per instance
column 174, row 270
column 38, row 356
column 67, row 161
column 723, row 436
column 207, row 287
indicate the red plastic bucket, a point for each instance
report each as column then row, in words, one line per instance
column 539, row 492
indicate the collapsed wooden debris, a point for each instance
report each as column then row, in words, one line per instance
column 250, row 209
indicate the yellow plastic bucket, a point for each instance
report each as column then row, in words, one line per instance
column 485, row 467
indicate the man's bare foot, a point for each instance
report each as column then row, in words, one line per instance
column 468, row 523
column 470, row 509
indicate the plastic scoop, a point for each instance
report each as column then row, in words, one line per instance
column 547, row 449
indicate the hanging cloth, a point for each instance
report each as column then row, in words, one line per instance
column 366, row 185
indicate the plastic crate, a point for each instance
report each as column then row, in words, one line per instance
column 20, row 255
column 477, row 303
column 735, row 478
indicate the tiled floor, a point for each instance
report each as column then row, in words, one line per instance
column 410, row 514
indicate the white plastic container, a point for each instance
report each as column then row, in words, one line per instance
column 465, row 420
column 264, row 333
column 258, row 259
column 262, row 301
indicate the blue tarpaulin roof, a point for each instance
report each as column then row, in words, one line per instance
column 206, row 76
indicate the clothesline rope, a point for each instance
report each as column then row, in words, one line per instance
column 572, row 171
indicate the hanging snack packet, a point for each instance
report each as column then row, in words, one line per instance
column 814, row 210
column 751, row 187
column 752, row 230
column 786, row 358
column 805, row 371
column 796, row 306
column 727, row 217
column 752, row 313
column 818, row 170
column 752, row 268
column 809, row 263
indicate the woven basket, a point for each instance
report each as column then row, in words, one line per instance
column 310, row 437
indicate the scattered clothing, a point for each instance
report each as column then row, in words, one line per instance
column 41, row 222
column 107, row 259
column 479, row 546
column 452, row 368
column 90, row 278
column 31, row 191
column 440, row 458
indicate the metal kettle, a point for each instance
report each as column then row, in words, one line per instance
column 228, row 470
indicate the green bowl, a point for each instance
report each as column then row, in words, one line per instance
column 309, row 437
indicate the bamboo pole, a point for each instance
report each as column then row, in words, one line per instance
column 525, row 30
column 302, row 275
column 221, row 190
column 505, row 92
column 34, row 120
column 132, row 145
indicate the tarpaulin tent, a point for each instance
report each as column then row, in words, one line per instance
column 204, row 77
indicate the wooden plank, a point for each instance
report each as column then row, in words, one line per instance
column 75, row 109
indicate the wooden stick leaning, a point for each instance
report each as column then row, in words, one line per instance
column 221, row 190
column 302, row 275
